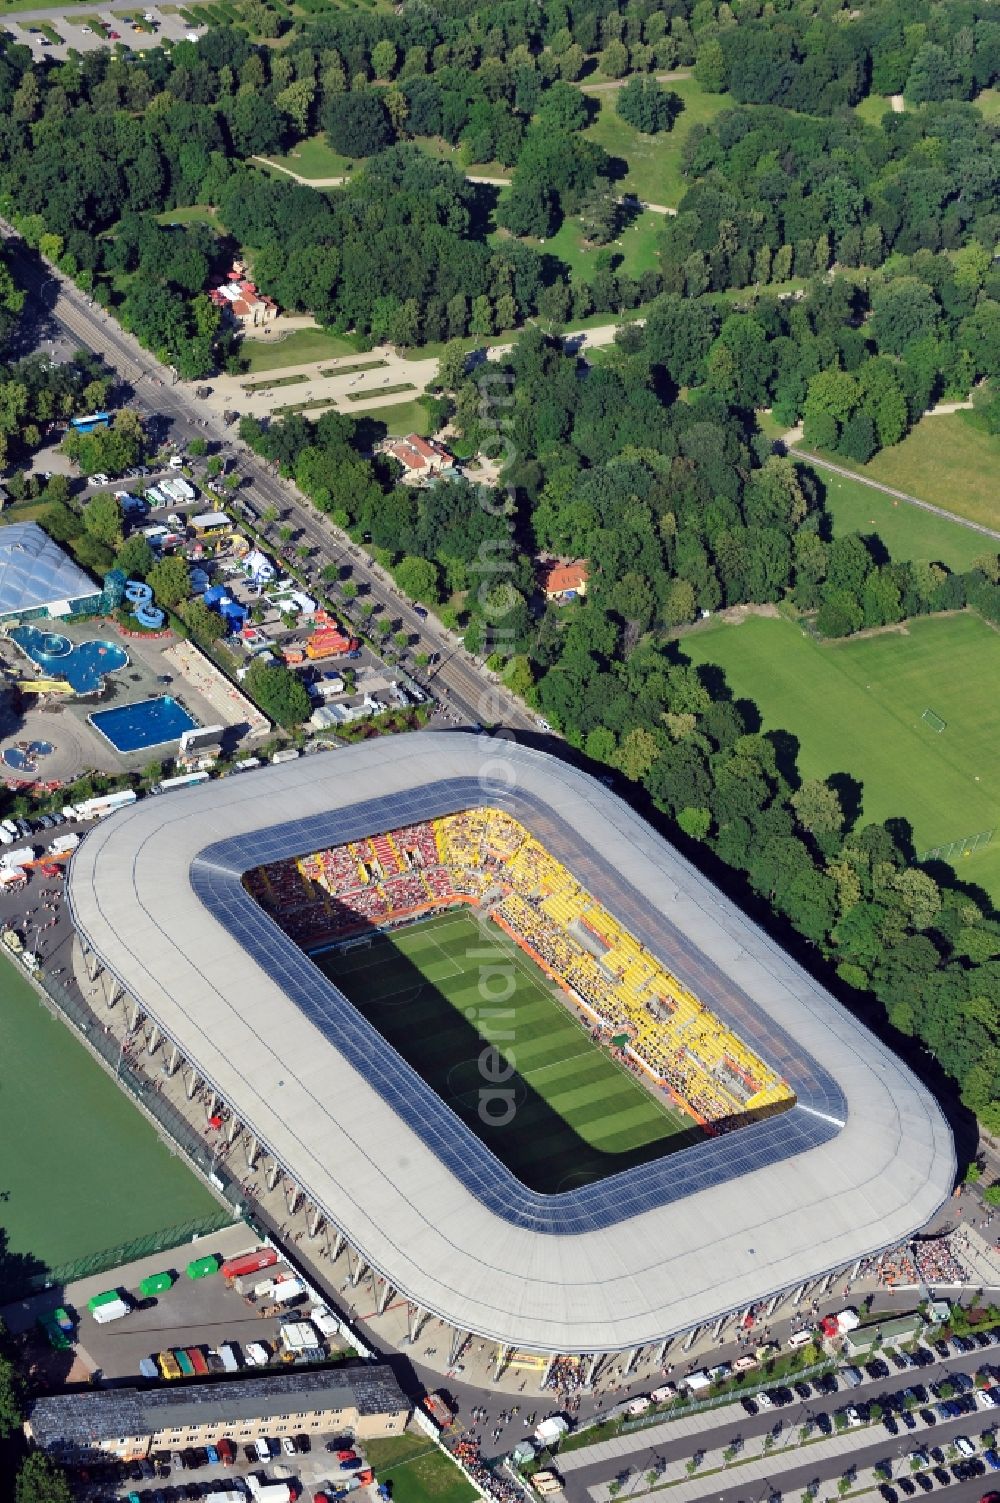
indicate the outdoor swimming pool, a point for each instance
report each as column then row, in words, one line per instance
column 151, row 722
column 82, row 664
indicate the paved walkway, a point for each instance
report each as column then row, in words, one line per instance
column 353, row 383
column 473, row 177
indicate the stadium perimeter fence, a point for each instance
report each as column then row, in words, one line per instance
column 125, row 1252
column 171, row 1124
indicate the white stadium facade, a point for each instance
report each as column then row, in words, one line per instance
column 860, row 1161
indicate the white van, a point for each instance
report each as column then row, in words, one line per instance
column 799, row 1338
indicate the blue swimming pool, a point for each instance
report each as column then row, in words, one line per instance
column 82, row 664
column 151, row 722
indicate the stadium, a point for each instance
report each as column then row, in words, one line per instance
column 513, row 1050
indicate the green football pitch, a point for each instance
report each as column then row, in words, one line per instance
column 445, row 989
column 858, row 707
column 81, row 1170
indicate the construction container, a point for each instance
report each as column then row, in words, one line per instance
column 200, row 1268
column 155, row 1283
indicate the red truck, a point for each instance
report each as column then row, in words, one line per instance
column 250, row 1262
column 198, row 1360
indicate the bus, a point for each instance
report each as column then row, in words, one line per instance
column 89, row 423
column 105, row 803
column 186, row 780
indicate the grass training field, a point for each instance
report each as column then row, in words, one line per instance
column 907, row 531
column 82, row 1170
column 945, row 460
column 856, row 708
column 578, row 1114
column 416, row 1471
column 653, row 162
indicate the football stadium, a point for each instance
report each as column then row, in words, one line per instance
column 513, row 1050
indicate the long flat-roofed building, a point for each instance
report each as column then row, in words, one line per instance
column 857, row 1158
column 128, row 1423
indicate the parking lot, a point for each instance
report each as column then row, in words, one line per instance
column 198, row 1472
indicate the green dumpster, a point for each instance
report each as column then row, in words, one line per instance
column 200, row 1268
column 155, row 1283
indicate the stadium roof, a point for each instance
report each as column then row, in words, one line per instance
column 35, row 572
column 862, row 1160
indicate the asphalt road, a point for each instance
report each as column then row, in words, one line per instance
column 874, row 1443
column 463, row 685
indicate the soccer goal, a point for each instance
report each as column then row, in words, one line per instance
column 934, row 721
column 957, row 848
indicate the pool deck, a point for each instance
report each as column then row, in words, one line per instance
column 63, row 719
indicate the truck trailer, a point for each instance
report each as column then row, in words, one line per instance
column 249, row 1262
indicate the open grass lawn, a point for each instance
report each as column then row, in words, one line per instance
column 82, row 1170
column 873, row 107
column 395, row 419
column 578, row 1114
column 944, row 460
column 416, row 1470
column 856, row 708
column 653, row 162
column 300, row 347
column 191, row 214
column 906, row 531
column 988, row 104
column 315, row 158
column 636, row 247
column 443, row 151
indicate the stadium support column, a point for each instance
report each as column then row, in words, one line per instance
column 315, row 1221
column 631, row 1359
column 134, row 1017
column 153, row 1042
column 359, row 1270
column 500, row 1361
column 547, row 1370
column 173, row 1059
column 253, row 1149
column 593, row 1363
column 458, row 1340
column 800, row 1291
column 292, row 1197
column 233, row 1129
column 828, row 1281
column 385, row 1292
column 273, row 1174
column 661, row 1351
column 717, row 1328
column 211, row 1104
column 338, row 1246
column 192, row 1084
column 857, row 1268
column 415, row 1317
column 91, row 963
column 775, row 1301
column 689, row 1338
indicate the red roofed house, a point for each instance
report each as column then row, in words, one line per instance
column 241, row 300
column 420, row 456
column 563, row 581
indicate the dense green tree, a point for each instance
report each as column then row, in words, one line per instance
column 357, row 124
column 280, row 693
column 170, row 579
